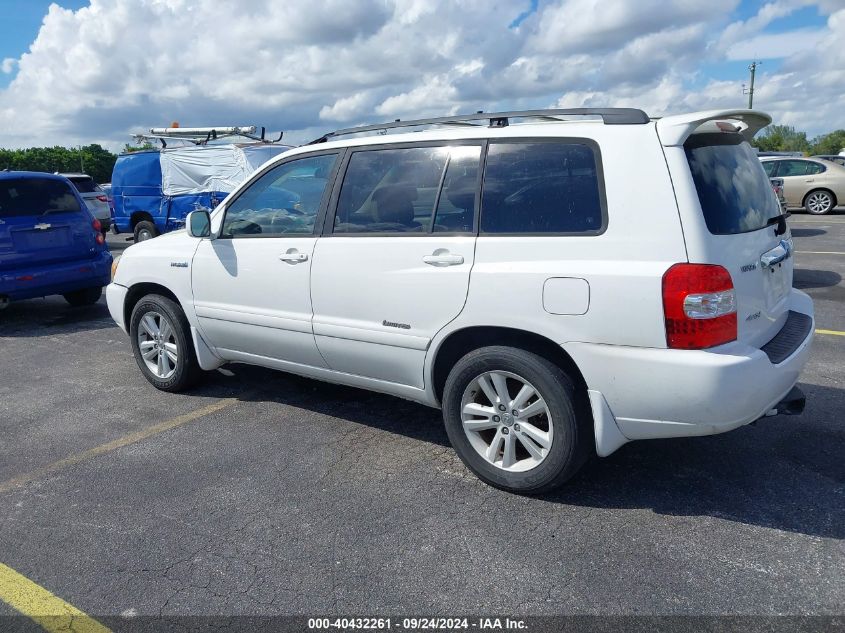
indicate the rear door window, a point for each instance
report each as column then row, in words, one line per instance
column 798, row 168
column 35, row 196
column 537, row 188
column 769, row 167
column 735, row 193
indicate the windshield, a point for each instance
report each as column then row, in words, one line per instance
column 35, row 196
column 734, row 191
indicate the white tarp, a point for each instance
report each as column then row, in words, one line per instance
column 198, row 169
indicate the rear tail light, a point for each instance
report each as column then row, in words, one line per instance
column 98, row 232
column 699, row 306
column 102, row 198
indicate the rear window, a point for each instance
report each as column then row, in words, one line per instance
column 538, row 188
column 734, row 191
column 84, row 184
column 35, row 196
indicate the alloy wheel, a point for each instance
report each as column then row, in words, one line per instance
column 157, row 343
column 507, row 421
column 819, row 202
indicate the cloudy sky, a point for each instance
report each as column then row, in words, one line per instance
column 76, row 71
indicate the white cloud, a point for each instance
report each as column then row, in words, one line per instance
column 776, row 45
column 120, row 66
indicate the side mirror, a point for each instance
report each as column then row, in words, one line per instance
column 198, row 224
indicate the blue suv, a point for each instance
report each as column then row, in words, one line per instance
column 50, row 244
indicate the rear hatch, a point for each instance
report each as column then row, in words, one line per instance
column 745, row 233
column 93, row 195
column 42, row 222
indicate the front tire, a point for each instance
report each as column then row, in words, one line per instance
column 84, row 297
column 819, row 202
column 162, row 344
column 515, row 420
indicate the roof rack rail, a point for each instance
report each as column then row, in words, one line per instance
column 610, row 116
column 202, row 135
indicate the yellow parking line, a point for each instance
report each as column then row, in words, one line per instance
column 830, row 332
column 120, row 442
column 51, row 612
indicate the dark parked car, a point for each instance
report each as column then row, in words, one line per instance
column 50, row 243
column 93, row 196
column 834, row 158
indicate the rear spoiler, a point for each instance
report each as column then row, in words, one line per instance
column 674, row 130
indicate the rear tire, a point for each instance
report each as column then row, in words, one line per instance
column 162, row 344
column 84, row 297
column 532, row 445
column 819, row 202
column 145, row 230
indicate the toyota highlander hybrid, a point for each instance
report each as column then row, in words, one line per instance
column 558, row 282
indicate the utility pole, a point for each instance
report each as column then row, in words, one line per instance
column 750, row 90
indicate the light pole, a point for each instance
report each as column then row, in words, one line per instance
column 750, row 90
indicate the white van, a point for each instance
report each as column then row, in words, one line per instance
column 558, row 287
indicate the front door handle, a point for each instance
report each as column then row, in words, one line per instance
column 443, row 259
column 293, row 256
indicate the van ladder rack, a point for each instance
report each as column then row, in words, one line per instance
column 609, row 116
column 202, row 135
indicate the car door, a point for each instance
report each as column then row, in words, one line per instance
column 798, row 177
column 251, row 283
column 393, row 265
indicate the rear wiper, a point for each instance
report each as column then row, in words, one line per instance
column 780, row 220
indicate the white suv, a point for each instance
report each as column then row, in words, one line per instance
column 558, row 287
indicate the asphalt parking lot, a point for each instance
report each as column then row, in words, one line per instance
column 261, row 493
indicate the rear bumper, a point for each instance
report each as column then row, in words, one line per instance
column 56, row 279
column 659, row 393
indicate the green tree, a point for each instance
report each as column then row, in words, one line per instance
column 782, row 138
column 93, row 160
column 831, row 143
column 128, row 149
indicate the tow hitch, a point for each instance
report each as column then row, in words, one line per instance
column 792, row 404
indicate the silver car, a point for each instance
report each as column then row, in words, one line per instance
column 95, row 198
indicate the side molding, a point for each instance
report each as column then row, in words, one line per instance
column 205, row 357
column 608, row 436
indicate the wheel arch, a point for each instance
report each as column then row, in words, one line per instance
column 138, row 291
column 140, row 216
column 461, row 342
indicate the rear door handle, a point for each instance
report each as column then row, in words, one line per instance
column 443, row 259
column 293, row 257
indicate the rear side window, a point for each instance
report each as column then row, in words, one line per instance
column 409, row 190
column 36, row 196
column 85, row 185
column 735, row 193
column 769, row 167
column 541, row 188
column 798, row 168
